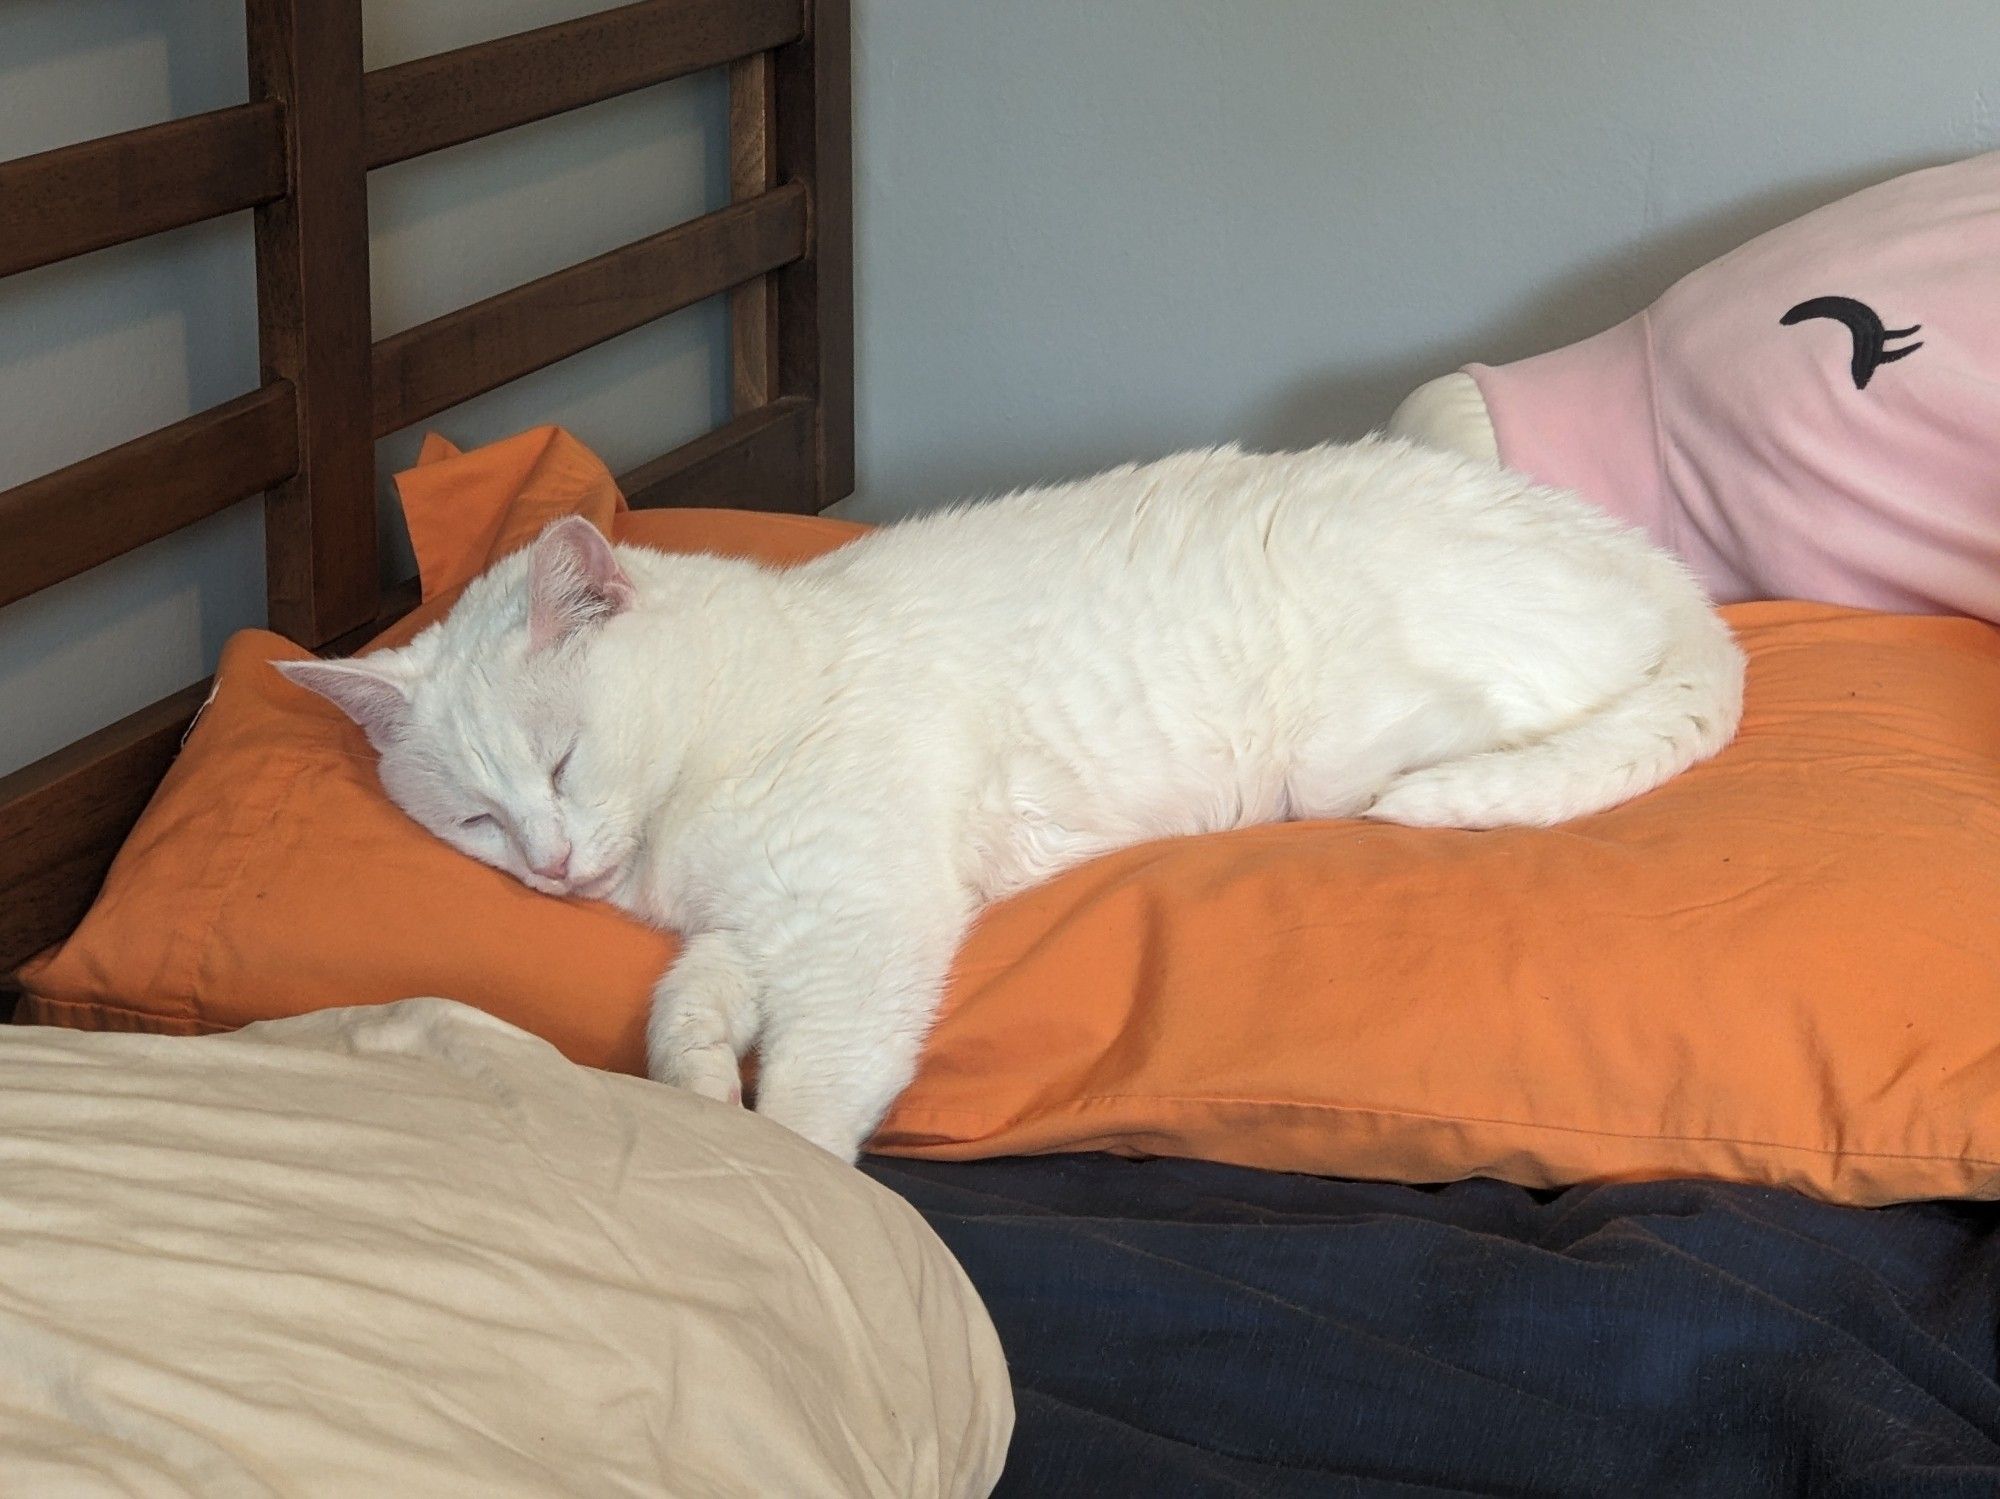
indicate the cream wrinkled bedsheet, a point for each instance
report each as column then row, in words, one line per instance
column 410, row 1250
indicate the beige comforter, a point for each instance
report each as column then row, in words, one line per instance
column 412, row 1251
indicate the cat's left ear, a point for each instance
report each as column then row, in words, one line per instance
column 369, row 691
column 574, row 580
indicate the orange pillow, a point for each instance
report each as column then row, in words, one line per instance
column 1782, row 967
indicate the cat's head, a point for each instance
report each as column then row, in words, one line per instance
column 489, row 732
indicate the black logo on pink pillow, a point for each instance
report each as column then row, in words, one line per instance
column 1862, row 321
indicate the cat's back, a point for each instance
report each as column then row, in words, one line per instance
column 1217, row 519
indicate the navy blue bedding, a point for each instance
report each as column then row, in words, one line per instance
column 1182, row 1329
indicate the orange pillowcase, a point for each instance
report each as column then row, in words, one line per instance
column 1782, row 967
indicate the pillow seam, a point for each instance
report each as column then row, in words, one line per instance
column 1079, row 1106
column 150, row 1020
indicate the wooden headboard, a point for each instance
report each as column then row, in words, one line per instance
column 299, row 153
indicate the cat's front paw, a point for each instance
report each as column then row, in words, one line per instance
column 839, row 1131
column 708, row 1071
column 843, row 1144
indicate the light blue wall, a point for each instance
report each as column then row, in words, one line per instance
column 1097, row 231
column 1086, row 232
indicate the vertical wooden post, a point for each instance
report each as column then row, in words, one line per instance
column 815, row 297
column 313, row 317
column 753, row 169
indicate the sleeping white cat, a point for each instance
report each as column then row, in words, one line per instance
column 819, row 775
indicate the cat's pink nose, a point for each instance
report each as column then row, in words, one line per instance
column 556, row 868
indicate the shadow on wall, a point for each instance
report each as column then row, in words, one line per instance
column 185, row 53
column 196, row 277
column 1554, row 316
column 99, row 350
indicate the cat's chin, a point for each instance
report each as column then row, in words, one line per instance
column 597, row 887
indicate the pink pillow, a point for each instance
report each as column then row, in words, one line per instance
column 1815, row 415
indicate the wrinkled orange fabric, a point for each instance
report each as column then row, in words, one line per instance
column 1782, row 967
column 448, row 500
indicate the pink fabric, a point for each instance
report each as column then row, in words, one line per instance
column 1745, row 445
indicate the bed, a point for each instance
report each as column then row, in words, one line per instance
column 1180, row 1327
column 1171, row 1327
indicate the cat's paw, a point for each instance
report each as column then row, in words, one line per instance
column 1416, row 800
column 707, row 1071
column 834, row 1130
column 842, row 1144
column 1442, row 796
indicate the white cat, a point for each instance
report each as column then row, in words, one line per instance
column 819, row 775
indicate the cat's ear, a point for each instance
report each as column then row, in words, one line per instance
column 574, row 580
column 369, row 692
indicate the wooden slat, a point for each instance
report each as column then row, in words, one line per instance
column 436, row 365
column 313, row 318
column 104, row 192
column 816, row 295
column 753, row 171
column 62, row 819
column 761, row 460
column 444, row 100
column 397, row 601
column 66, row 522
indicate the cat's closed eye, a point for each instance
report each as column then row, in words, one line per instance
column 556, row 774
column 479, row 820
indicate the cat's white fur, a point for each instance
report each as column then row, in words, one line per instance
column 819, row 775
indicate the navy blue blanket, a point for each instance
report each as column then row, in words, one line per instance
column 1181, row 1329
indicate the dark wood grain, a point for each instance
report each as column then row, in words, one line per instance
column 816, row 295
column 434, row 102
column 66, row 522
column 761, row 460
column 123, row 187
column 753, row 171
column 63, row 817
column 313, row 318
column 397, row 601
column 436, row 365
